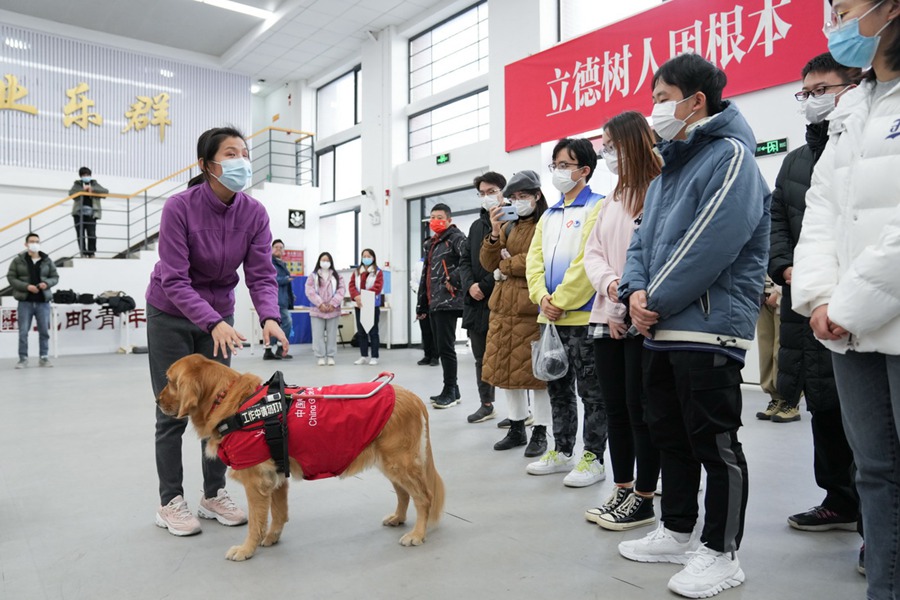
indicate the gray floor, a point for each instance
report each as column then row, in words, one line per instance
column 78, row 494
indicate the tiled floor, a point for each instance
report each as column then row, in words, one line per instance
column 78, row 494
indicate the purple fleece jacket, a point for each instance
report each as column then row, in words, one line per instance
column 202, row 242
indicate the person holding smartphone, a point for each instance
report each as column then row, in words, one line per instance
column 86, row 211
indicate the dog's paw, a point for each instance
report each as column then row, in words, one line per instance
column 393, row 521
column 238, row 553
column 411, row 539
column 271, row 539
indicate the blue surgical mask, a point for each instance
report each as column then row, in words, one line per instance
column 851, row 48
column 236, row 173
column 86, row 179
column 367, row 261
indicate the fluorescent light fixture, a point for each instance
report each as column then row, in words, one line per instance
column 240, row 8
column 17, row 44
column 166, row 73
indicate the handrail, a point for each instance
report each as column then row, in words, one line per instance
column 304, row 135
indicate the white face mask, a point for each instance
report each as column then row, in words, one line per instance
column 489, row 202
column 817, row 109
column 524, row 207
column 562, row 180
column 664, row 121
column 612, row 162
column 34, row 247
column 325, row 264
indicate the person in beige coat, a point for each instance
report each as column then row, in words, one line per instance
column 513, row 322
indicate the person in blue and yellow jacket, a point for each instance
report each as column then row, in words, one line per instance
column 557, row 282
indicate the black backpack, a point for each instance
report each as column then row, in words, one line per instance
column 65, row 297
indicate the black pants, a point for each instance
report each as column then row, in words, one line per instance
column 86, row 234
column 168, row 339
column 479, row 341
column 832, row 461
column 619, row 370
column 693, row 412
column 367, row 338
column 427, row 338
column 443, row 328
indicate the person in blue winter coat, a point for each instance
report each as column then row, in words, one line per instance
column 285, row 302
column 693, row 282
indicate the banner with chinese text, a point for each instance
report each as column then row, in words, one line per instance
column 579, row 85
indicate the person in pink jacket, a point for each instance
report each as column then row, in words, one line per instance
column 628, row 152
column 325, row 290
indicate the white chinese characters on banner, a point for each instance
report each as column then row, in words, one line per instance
column 721, row 41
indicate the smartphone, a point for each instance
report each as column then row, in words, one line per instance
column 508, row 213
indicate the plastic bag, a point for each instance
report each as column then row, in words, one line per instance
column 548, row 355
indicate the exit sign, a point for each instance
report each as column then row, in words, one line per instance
column 771, row 147
column 441, row 159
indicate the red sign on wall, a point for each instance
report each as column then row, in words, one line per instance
column 579, row 85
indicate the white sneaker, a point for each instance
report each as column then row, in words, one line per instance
column 330, row 361
column 177, row 518
column 373, row 361
column 707, row 573
column 588, row 471
column 658, row 546
column 223, row 509
column 551, row 462
column 362, row 360
column 321, row 362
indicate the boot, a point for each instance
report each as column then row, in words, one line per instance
column 538, row 444
column 455, row 393
column 446, row 398
column 514, row 437
column 269, row 355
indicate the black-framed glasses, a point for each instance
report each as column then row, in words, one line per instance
column 563, row 166
column 815, row 93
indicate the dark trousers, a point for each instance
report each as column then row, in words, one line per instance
column 443, row 328
column 694, row 411
column 86, row 234
column 367, row 338
column 564, row 402
column 168, row 339
column 479, row 341
column 427, row 338
column 832, row 462
column 620, row 371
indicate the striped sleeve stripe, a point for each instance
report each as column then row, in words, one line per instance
column 703, row 220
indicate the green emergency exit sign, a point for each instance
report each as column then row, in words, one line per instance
column 441, row 159
column 771, row 147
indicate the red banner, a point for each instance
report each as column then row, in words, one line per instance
column 579, row 85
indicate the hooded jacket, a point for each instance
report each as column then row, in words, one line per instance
column 442, row 257
column 702, row 248
column 849, row 246
column 19, row 277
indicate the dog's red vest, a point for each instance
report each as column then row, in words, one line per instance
column 324, row 435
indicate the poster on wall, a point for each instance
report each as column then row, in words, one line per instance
column 294, row 261
column 579, row 85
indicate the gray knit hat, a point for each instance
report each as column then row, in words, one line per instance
column 523, row 180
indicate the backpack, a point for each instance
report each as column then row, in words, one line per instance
column 65, row 297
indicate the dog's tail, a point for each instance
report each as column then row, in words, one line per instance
column 435, row 483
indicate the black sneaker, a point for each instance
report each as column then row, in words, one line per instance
column 819, row 518
column 635, row 511
column 861, row 564
column 484, row 413
column 538, row 444
column 434, row 362
column 515, row 437
column 446, row 398
column 617, row 497
column 269, row 355
column 504, row 424
column 424, row 361
column 455, row 394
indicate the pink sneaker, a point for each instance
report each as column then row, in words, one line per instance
column 223, row 509
column 177, row 518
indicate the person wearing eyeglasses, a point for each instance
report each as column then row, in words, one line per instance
column 804, row 363
column 846, row 276
column 693, row 281
column 557, row 283
column 478, row 284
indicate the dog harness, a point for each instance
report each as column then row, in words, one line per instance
column 326, row 427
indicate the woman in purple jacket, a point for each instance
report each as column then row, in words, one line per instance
column 206, row 233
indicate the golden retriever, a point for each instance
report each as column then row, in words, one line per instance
column 402, row 451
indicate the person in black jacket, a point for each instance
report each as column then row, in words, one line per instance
column 478, row 285
column 805, row 364
column 441, row 295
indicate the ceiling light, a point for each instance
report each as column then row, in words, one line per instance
column 166, row 73
column 256, row 87
column 240, row 8
column 17, row 44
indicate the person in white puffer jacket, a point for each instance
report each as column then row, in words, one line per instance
column 846, row 274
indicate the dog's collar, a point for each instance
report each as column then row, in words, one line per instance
column 221, row 396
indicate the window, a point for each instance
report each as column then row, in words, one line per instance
column 451, row 125
column 449, row 53
column 340, row 171
column 577, row 17
column 338, row 104
column 338, row 234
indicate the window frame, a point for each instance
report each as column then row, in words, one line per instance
column 334, row 165
column 356, row 71
column 412, row 116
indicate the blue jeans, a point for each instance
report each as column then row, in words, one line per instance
column 287, row 325
column 41, row 312
column 869, row 389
